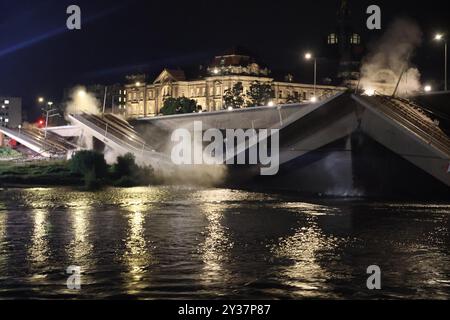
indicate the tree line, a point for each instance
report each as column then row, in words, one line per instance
column 259, row 94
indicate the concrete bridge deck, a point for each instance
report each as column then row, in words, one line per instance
column 401, row 127
column 47, row 145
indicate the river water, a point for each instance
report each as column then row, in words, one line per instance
column 181, row 242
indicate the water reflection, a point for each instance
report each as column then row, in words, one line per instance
column 39, row 249
column 166, row 242
column 80, row 246
column 216, row 246
column 3, row 225
column 137, row 256
column 305, row 275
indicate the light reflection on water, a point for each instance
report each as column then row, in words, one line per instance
column 181, row 242
column 306, row 275
column 216, row 244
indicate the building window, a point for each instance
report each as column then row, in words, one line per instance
column 355, row 39
column 332, row 38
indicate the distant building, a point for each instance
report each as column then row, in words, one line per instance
column 115, row 99
column 146, row 98
column 10, row 112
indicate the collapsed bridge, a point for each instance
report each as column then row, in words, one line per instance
column 343, row 145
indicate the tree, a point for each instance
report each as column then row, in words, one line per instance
column 125, row 166
column 91, row 165
column 178, row 106
column 127, row 173
column 260, row 93
column 234, row 97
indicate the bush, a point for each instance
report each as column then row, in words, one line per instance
column 127, row 173
column 125, row 166
column 91, row 165
column 146, row 175
column 178, row 105
column 125, row 182
column 9, row 153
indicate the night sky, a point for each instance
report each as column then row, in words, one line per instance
column 39, row 56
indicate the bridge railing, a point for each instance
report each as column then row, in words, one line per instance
column 106, row 130
column 407, row 115
column 130, row 137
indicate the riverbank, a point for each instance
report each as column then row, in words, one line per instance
column 125, row 173
column 38, row 173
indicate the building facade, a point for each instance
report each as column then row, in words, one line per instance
column 10, row 112
column 113, row 96
column 145, row 99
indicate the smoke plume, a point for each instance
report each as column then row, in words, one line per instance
column 82, row 101
column 384, row 64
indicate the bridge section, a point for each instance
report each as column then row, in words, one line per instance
column 47, row 145
column 402, row 127
column 120, row 137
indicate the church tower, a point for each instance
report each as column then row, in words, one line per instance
column 345, row 44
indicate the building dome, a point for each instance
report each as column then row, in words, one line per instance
column 236, row 61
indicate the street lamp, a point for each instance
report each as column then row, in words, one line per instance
column 47, row 112
column 41, row 100
column 20, row 127
column 427, row 88
column 309, row 56
column 441, row 37
column 81, row 93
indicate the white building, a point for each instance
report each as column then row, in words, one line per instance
column 147, row 98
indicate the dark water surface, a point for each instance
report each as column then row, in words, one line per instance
column 167, row 242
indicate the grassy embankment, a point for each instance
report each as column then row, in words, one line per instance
column 38, row 173
column 86, row 168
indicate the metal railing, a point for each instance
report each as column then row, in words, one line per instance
column 106, row 130
column 409, row 115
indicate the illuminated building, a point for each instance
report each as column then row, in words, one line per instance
column 10, row 112
column 146, row 98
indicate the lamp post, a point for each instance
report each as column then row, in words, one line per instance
column 47, row 112
column 309, row 56
column 440, row 37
